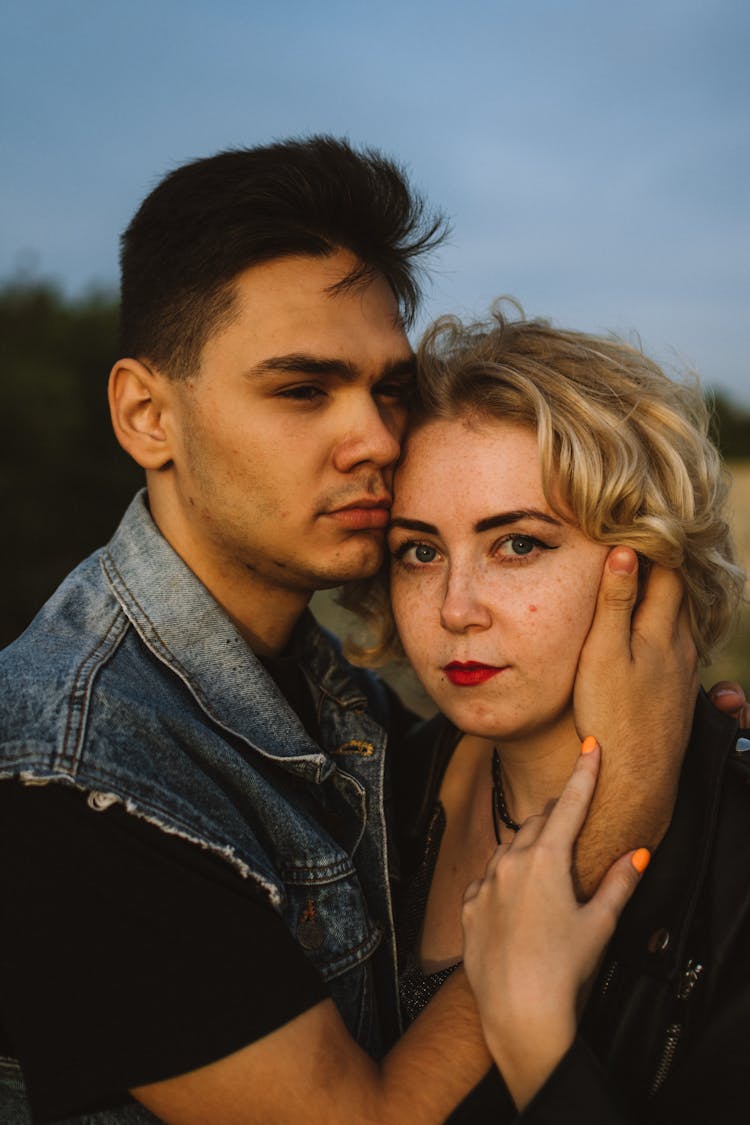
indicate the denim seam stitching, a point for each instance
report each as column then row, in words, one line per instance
column 349, row 957
column 80, row 696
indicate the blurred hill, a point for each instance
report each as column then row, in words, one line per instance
column 64, row 481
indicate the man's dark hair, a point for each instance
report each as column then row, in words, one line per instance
column 209, row 220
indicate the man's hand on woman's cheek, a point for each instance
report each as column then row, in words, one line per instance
column 635, row 693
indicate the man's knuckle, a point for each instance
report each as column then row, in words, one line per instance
column 619, row 596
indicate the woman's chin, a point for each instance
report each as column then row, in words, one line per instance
column 508, row 725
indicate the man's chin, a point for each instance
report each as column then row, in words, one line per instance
column 354, row 569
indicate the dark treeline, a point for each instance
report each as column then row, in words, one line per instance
column 64, row 481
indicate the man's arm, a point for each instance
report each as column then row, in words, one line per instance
column 204, row 970
column 635, row 692
column 312, row 1070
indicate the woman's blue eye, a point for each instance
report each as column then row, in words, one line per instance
column 415, row 554
column 521, row 547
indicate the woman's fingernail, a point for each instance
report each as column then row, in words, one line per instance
column 622, row 560
column 641, row 859
column 589, row 743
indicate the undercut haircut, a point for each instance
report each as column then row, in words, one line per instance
column 210, row 220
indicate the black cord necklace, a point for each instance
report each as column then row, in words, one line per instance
column 500, row 814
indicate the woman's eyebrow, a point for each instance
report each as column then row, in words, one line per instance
column 504, row 518
column 487, row 524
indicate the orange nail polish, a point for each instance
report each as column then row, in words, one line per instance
column 589, row 743
column 641, row 859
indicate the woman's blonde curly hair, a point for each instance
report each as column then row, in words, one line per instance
column 623, row 448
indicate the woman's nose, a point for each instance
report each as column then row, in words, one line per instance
column 463, row 607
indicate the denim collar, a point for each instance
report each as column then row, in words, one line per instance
column 184, row 627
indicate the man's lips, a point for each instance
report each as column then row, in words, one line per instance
column 363, row 514
column 470, row 673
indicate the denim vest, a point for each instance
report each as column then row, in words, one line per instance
column 133, row 685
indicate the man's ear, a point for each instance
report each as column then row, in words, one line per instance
column 137, row 401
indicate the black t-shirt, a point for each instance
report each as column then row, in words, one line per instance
column 129, row 955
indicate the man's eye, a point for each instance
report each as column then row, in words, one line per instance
column 305, row 392
column 398, row 391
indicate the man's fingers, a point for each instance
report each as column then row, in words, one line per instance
column 572, row 806
column 729, row 697
column 661, row 613
column 618, row 590
column 618, row 885
column 662, row 625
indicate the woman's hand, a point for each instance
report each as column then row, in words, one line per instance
column 529, row 946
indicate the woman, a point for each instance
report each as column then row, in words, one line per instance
column 535, row 451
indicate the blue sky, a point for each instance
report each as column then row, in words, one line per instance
column 594, row 157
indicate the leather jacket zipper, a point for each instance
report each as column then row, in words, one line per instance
column 687, row 982
column 607, row 979
column 671, row 1043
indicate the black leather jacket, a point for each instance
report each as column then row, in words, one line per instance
column 665, row 1036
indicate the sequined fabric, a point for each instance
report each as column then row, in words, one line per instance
column 416, row 988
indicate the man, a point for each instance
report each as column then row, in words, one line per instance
column 198, row 902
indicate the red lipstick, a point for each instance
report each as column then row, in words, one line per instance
column 470, row 673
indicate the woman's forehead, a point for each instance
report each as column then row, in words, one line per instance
column 452, row 463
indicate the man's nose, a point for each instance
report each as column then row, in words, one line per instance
column 370, row 434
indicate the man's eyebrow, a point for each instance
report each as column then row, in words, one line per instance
column 396, row 368
column 505, row 518
column 301, row 362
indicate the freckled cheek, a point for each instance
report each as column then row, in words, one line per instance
column 416, row 612
column 571, row 617
column 549, row 616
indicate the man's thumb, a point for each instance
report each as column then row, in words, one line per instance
column 618, row 589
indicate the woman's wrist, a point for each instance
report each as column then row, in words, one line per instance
column 527, row 1051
